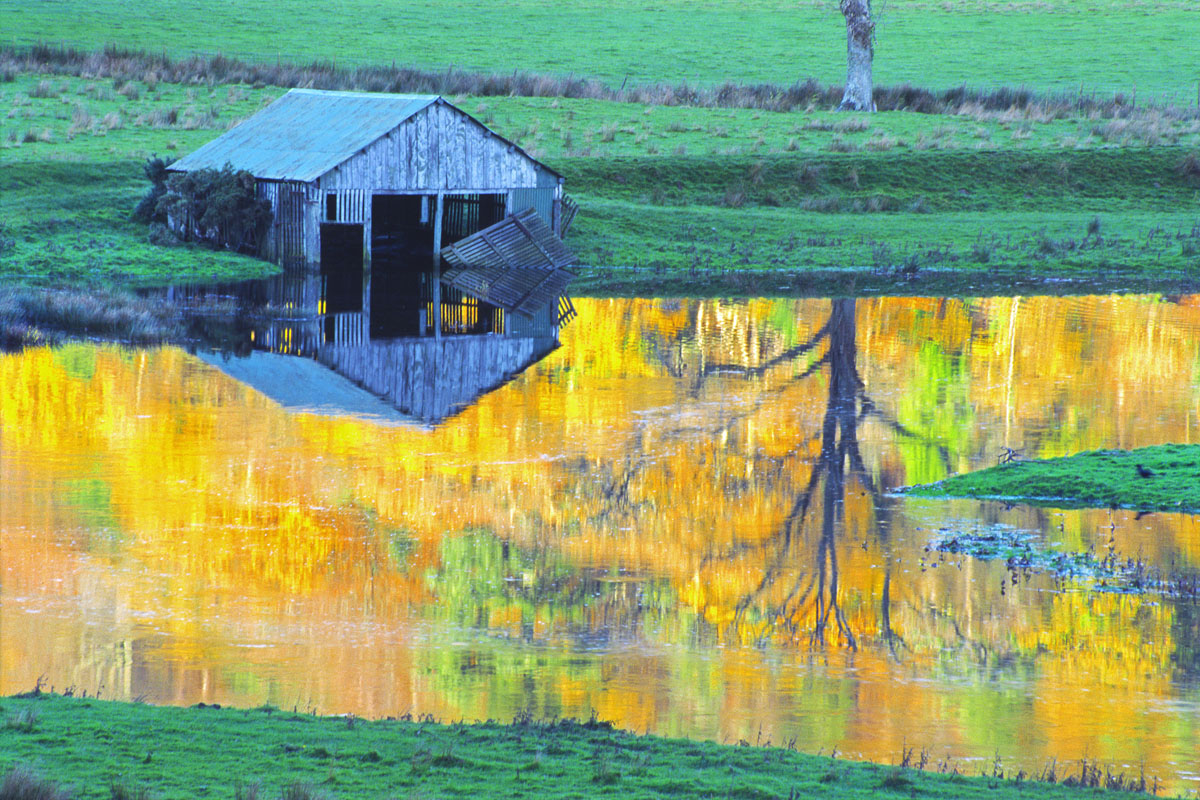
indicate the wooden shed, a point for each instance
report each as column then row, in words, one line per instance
column 371, row 191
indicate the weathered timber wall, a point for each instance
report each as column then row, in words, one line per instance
column 540, row 200
column 438, row 149
column 544, row 322
column 269, row 191
column 432, row 378
column 294, row 236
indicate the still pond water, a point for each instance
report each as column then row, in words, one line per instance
column 679, row 521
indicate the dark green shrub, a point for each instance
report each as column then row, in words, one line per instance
column 217, row 208
column 155, row 169
column 161, row 235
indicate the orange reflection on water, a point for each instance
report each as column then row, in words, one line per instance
column 679, row 520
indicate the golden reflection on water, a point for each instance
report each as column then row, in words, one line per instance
column 680, row 520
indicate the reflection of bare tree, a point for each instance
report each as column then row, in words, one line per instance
column 814, row 594
column 800, row 586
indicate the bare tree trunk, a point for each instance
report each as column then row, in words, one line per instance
column 860, row 51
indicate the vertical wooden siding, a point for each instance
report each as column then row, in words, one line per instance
column 437, row 149
column 290, row 224
column 432, row 378
column 269, row 191
column 540, row 200
column 351, row 205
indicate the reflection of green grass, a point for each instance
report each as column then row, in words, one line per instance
column 77, row 360
column 89, row 502
column 175, row 753
column 517, row 596
column 1095, row 479
column 936, row 409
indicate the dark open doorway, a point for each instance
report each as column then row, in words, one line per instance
column 401, row 263
column 342, row 266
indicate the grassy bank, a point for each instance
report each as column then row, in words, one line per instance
column 675, row 199
column 94, row 748
column 1160, row 478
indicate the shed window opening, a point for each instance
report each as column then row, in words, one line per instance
column 331, row 207
column 466, row 214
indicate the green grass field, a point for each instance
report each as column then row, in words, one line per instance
column 101, row 749
column 70, row 174
column 676, row 198
column 1061, row 45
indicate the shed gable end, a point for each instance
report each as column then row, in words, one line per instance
column 440, row 148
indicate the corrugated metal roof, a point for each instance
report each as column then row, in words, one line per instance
column 306, row 133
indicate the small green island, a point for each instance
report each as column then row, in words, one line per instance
column 54, row 747
column 1159, row 478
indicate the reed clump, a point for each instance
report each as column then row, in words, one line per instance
column 22, row 783
column 47, row 316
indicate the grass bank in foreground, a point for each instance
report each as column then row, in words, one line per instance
column 106, row 749
column 1160, row 478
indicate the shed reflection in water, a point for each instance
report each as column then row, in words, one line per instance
column 425, row 378
column 679, row 520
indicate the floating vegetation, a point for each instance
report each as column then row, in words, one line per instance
column 1025, row 554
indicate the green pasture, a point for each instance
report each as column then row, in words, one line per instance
column 70, row 174
column 54, row 747
column 675, row 199
column 562, row 127
column 1145, row 46
column 777, row 251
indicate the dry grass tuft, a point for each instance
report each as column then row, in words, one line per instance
column 1189, row 167
column 841, row 145
column 301, row 791
column 123, row 791
column 23, row 784
column 25, row 721
column 852, row 125
column 130, row 91
column 45, row 89
column 882, row 142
